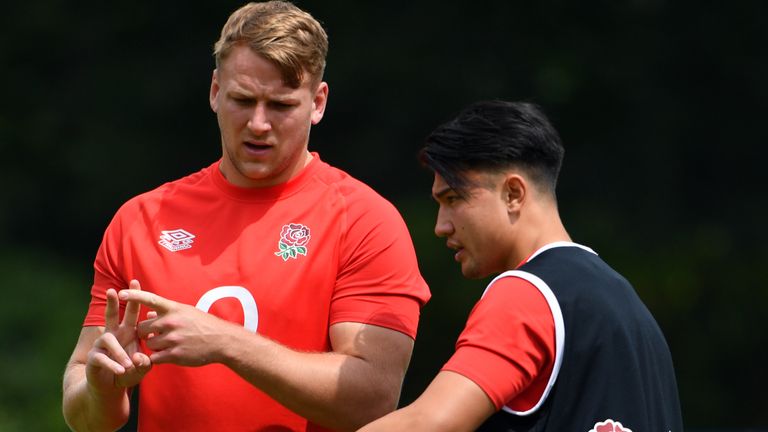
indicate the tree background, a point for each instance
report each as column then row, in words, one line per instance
column 660, row 105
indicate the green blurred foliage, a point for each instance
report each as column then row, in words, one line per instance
column 660, row 105
column 45, row 299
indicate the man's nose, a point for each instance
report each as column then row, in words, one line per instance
column 259, row 121
column 443, row 226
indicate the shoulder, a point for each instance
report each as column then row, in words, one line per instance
column 346, row 184
column 360, row 199
column 517, row 299
column 515, row 291
column 176, row 189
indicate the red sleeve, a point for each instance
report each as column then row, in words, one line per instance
column 508, row 345
column 379, row 281
column 108, row 272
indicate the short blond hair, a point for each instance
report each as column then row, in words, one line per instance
column 280, row 32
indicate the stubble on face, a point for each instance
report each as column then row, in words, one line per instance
column 264, row 123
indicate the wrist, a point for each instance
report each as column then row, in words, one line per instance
column 93, row 409
column 229, row 346
column 104, row 394
column 236, row 345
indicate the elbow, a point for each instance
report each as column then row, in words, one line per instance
column 383, row 406
column 372, row 408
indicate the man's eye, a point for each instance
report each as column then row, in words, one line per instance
column 242, row 101
column 281, row 105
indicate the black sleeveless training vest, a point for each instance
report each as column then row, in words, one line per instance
column 616, row 366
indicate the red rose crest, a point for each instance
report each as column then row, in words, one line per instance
column 609, row 426
column 293, row 241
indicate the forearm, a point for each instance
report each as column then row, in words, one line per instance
column 84, row 410
column 451, row 403
column 355, row 384
column 407, row 419
column 338, row 391
column 417, row 417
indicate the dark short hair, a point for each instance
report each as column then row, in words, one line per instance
column 492, row 136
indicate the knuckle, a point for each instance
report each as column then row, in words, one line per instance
column 105, row 339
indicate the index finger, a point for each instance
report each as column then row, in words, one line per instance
column 148, row 299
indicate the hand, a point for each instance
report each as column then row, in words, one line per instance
column 114, row 361
column 179, row 333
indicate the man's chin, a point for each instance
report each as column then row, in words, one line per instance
column 470, row 272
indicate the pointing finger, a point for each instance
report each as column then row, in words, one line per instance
column 150, row 300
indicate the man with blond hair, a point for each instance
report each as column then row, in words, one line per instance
column 268, row 291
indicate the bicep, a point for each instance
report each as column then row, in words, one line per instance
column 377, row 360
column 378, row 280
column 378, row 346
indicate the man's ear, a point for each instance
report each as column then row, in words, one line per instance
column 319, row 101
column 213, row 95
column 515, row 192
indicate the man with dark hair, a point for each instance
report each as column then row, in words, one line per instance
column 280, row 293
column 559, row 341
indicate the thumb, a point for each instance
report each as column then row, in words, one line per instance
column 142, row 362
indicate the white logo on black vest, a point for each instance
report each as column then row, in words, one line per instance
column 176, row 240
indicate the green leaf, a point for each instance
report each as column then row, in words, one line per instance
column 302, row 250
column 293, row 253
column 283, row 246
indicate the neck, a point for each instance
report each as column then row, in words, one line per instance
column 535, row 232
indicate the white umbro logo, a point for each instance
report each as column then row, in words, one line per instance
column 176, row 240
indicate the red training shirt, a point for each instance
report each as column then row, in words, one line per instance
column 286, row 261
